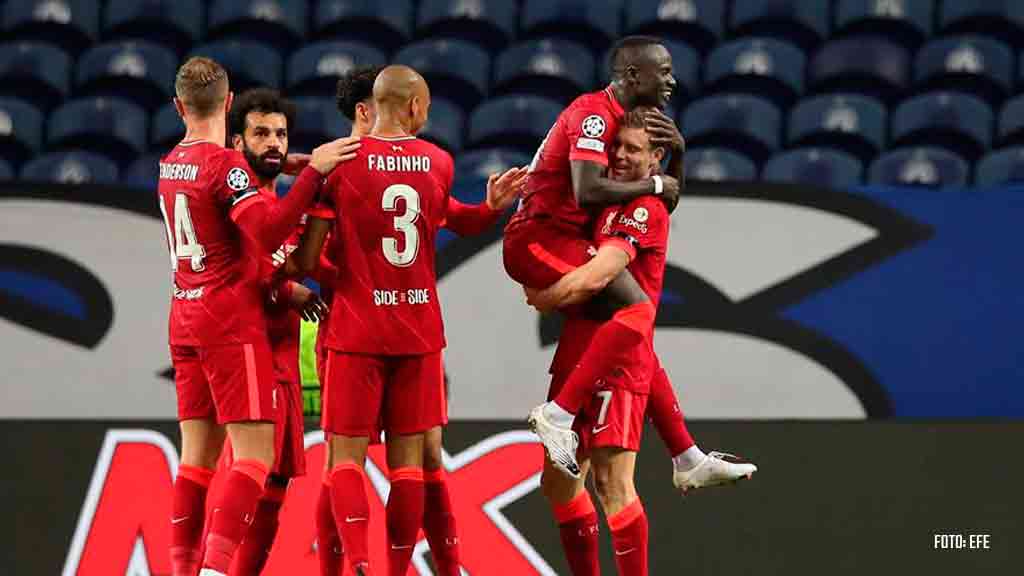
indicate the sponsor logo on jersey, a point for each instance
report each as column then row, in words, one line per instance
column 590, row 144
column 400, row 297
column 635, row 222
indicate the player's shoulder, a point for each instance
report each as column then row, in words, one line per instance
column 435, row 151
column 646, row 210
column 598, row 101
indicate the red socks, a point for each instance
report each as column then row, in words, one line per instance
column 577, row 523
column 351, row 512
column 188, row 513
column 611, row 347
column 252, row 554
column 405, row 516
column 233, row 512
column 664, row 412
column 328, row 543
column 629, row 539
column 439, row 523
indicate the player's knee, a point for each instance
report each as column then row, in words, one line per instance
column 614, row 490
column 432, row 459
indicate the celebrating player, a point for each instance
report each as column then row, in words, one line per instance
column 218, row 230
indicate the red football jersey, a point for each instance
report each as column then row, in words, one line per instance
column 217, row 298
column 584, row 131
column 389, row 203
column 283, row 323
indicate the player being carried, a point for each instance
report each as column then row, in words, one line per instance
column 219, row 229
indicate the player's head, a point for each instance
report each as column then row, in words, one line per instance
column 642, row 67
column 355, row 98
column 259, row 122
column 401, row 95
column 633, row 157
column 201, row 89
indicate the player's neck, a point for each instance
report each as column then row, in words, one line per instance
column 211, row 130
column 389, row 127
column 619, row 92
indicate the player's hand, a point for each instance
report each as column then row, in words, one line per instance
column 548, row 299
column 504, row 188
column 307, row 303
column 670, row 190
column 663, row 132
column 326, row 156
column 294, row 163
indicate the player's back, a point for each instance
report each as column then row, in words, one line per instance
column 216, row 297
column 389, row 201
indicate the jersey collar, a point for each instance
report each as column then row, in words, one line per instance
column 616, row 107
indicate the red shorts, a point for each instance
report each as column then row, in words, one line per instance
column 232, row 383
column 289, row 432
column 613, row 417
column 404, row 394
column 537, row 253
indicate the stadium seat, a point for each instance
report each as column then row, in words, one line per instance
column 593, row 24
column 761, row 66
column 798, row 21
column 317, row 120
column 699, row 23
column 141, row 71
column 73, row 24
column 685, row 67
column 445, row 126
column 718, row 165
column 1003, row 19
column 951, row 120
column 490, row 23
column 483, row 163
column 111, row 126
column 908, row 22
column 555, row 68
column 455, row 69
column 71, row 167
column 973, row 64
column 869, row 65
column 1000, row 167
column 742, row 122
column 314, row 70
column 280, row 23
column 176, row 24
column 21, row 130
column 168, row 128
column 512, row 121
column 249, row 64
column 6, row 172
column 35, row 71
column 387, row 25
column 1011, row 122
column 919, row 167
column 850, row 122
column 817, row 166
column 144, row 171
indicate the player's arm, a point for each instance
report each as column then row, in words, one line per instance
column 502, row 191
column 311, row 245
column 584, row 282
column 592, row 189
column 664, row 132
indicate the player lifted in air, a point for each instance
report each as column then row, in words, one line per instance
column 219, row 229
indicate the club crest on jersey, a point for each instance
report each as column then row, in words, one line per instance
column 640, row 214
column 237, row 179
column 593, row 126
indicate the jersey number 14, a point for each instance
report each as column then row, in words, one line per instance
column 182, row 243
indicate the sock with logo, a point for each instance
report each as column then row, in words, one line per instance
column 328, row 543
column 252, row 554
column 629, row 539
column 233, row 513
column 187, row 517
column 439, row 523
column 352, row 513
column 577, row 524
column 405, row 516
column 667, row 417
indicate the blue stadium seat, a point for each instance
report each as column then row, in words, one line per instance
column 445, row 125
column 483, row 163
column 455, row 69
column 798, row 21
column 973, row 64
column 741, row 122
column 144, row 171
column 21, row 130
column 387, row 25
column 818, row 166
column 593, row 24
column 762, row 66
column 168, row 128
column 869, row 65
column 314, row 70
column 1011, row 122
column 926, row 166
column 317, row 120
column 35, row 71
column 685, row 67
column 6, row 172
column 141, row 71
column 280, row 23
column 512, row 121
column 951, row 120
column 176, row 24
column 74, row 24
column 718, row 165
column 249, row 64
column 699, row 23
column 850, row 122
column 490, row 23
column 908, row 22
column 1000, row 167
column 71, row 167
column 1003, row 19
column 555, row 68
column 110, row 126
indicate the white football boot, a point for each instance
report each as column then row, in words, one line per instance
column 716, row 469
column 561, row 443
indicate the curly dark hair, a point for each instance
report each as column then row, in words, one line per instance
column 355, row 87
column 262, row 100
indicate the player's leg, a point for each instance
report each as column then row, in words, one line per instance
column 576, row 517
column 328, row 540
column 613, row 481
column 349, row 501
column 406, row 501
column 252, row 554
column 438, row 519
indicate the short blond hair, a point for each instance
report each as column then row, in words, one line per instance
column 202, row 85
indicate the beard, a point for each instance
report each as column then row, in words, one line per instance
column 259, row 165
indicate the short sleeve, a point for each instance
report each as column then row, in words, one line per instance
column 644, row 223
column 589, row 132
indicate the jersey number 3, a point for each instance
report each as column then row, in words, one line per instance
column 405, row 223
column 182, row 243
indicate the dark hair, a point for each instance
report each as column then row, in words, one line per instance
column 354, row 87
column 262, row 100
column 624, row 52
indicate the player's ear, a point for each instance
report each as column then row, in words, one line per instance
column 236, row 142
column 659, row 154
column 179, row 106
